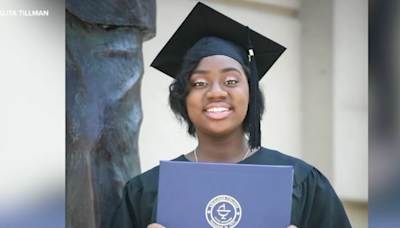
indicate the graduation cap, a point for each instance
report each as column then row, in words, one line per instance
column 206, row 32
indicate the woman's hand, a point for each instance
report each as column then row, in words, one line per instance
column 155, row 225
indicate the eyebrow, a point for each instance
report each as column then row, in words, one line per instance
column 222, row 71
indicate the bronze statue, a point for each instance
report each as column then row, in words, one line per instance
column 104, row 68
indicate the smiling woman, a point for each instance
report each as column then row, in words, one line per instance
column 217, row 64
column 218, row 101
column 212, row 92
column 216, row 104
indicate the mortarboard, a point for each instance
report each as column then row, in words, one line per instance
column 206, row 32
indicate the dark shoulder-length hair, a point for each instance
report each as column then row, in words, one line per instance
column 179, row 90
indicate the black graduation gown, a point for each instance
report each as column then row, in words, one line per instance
column 314, row 205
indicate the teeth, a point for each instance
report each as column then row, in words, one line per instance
column 217, row 110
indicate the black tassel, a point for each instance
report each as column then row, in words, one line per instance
column 254, row 108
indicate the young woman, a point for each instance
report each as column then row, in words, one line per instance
column 216, row 93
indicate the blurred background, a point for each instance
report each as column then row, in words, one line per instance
column 384, row 147
column 316, row 94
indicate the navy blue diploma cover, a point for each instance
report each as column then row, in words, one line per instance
column 216, row 195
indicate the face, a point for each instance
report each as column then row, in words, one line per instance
column 219, row 96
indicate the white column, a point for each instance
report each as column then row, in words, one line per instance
column 350, row 100
column 316, row 72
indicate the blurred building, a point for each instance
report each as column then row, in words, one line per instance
column 316, row 94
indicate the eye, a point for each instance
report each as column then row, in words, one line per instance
column 231, row 82
column 199, row 84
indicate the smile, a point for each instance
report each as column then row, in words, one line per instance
column 216, row 110
column 218, row 113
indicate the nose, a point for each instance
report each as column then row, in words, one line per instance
column 216, row 92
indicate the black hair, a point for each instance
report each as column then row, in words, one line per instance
column 179, row 90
